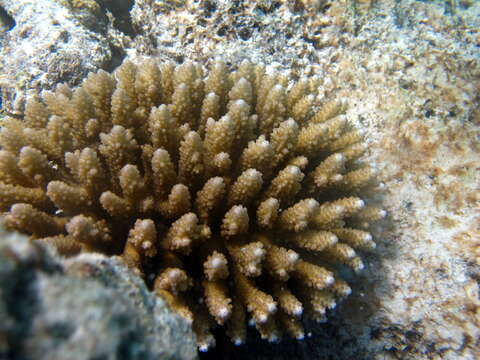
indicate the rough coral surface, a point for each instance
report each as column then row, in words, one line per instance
column 233, row 193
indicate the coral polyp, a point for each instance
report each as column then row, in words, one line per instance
column 233, row 193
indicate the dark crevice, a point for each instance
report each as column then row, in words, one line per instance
column 7, row 22
column 321, row 344
column 21, row 304
column 118, row 54
column 209, row 7
column 120, row 9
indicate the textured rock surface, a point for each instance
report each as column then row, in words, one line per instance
column 272, row 32
column 90, row 307
column 50, row 42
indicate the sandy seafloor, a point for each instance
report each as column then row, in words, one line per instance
column 410, row 72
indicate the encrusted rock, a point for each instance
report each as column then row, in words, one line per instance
column 90, row 307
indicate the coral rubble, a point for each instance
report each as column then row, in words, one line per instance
column 234, row 194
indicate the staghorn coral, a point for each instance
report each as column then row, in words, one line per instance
column 232, row 193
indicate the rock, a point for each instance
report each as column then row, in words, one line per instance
column 270, row 32
column 91, row 307
column 49, row 42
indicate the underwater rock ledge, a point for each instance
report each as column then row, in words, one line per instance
column 90, row 307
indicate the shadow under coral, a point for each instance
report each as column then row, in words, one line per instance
column 351, row 329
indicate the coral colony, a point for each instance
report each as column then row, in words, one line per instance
column 232, row 193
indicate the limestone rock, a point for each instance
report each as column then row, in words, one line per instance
column 91, row 307
column 49, row 43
